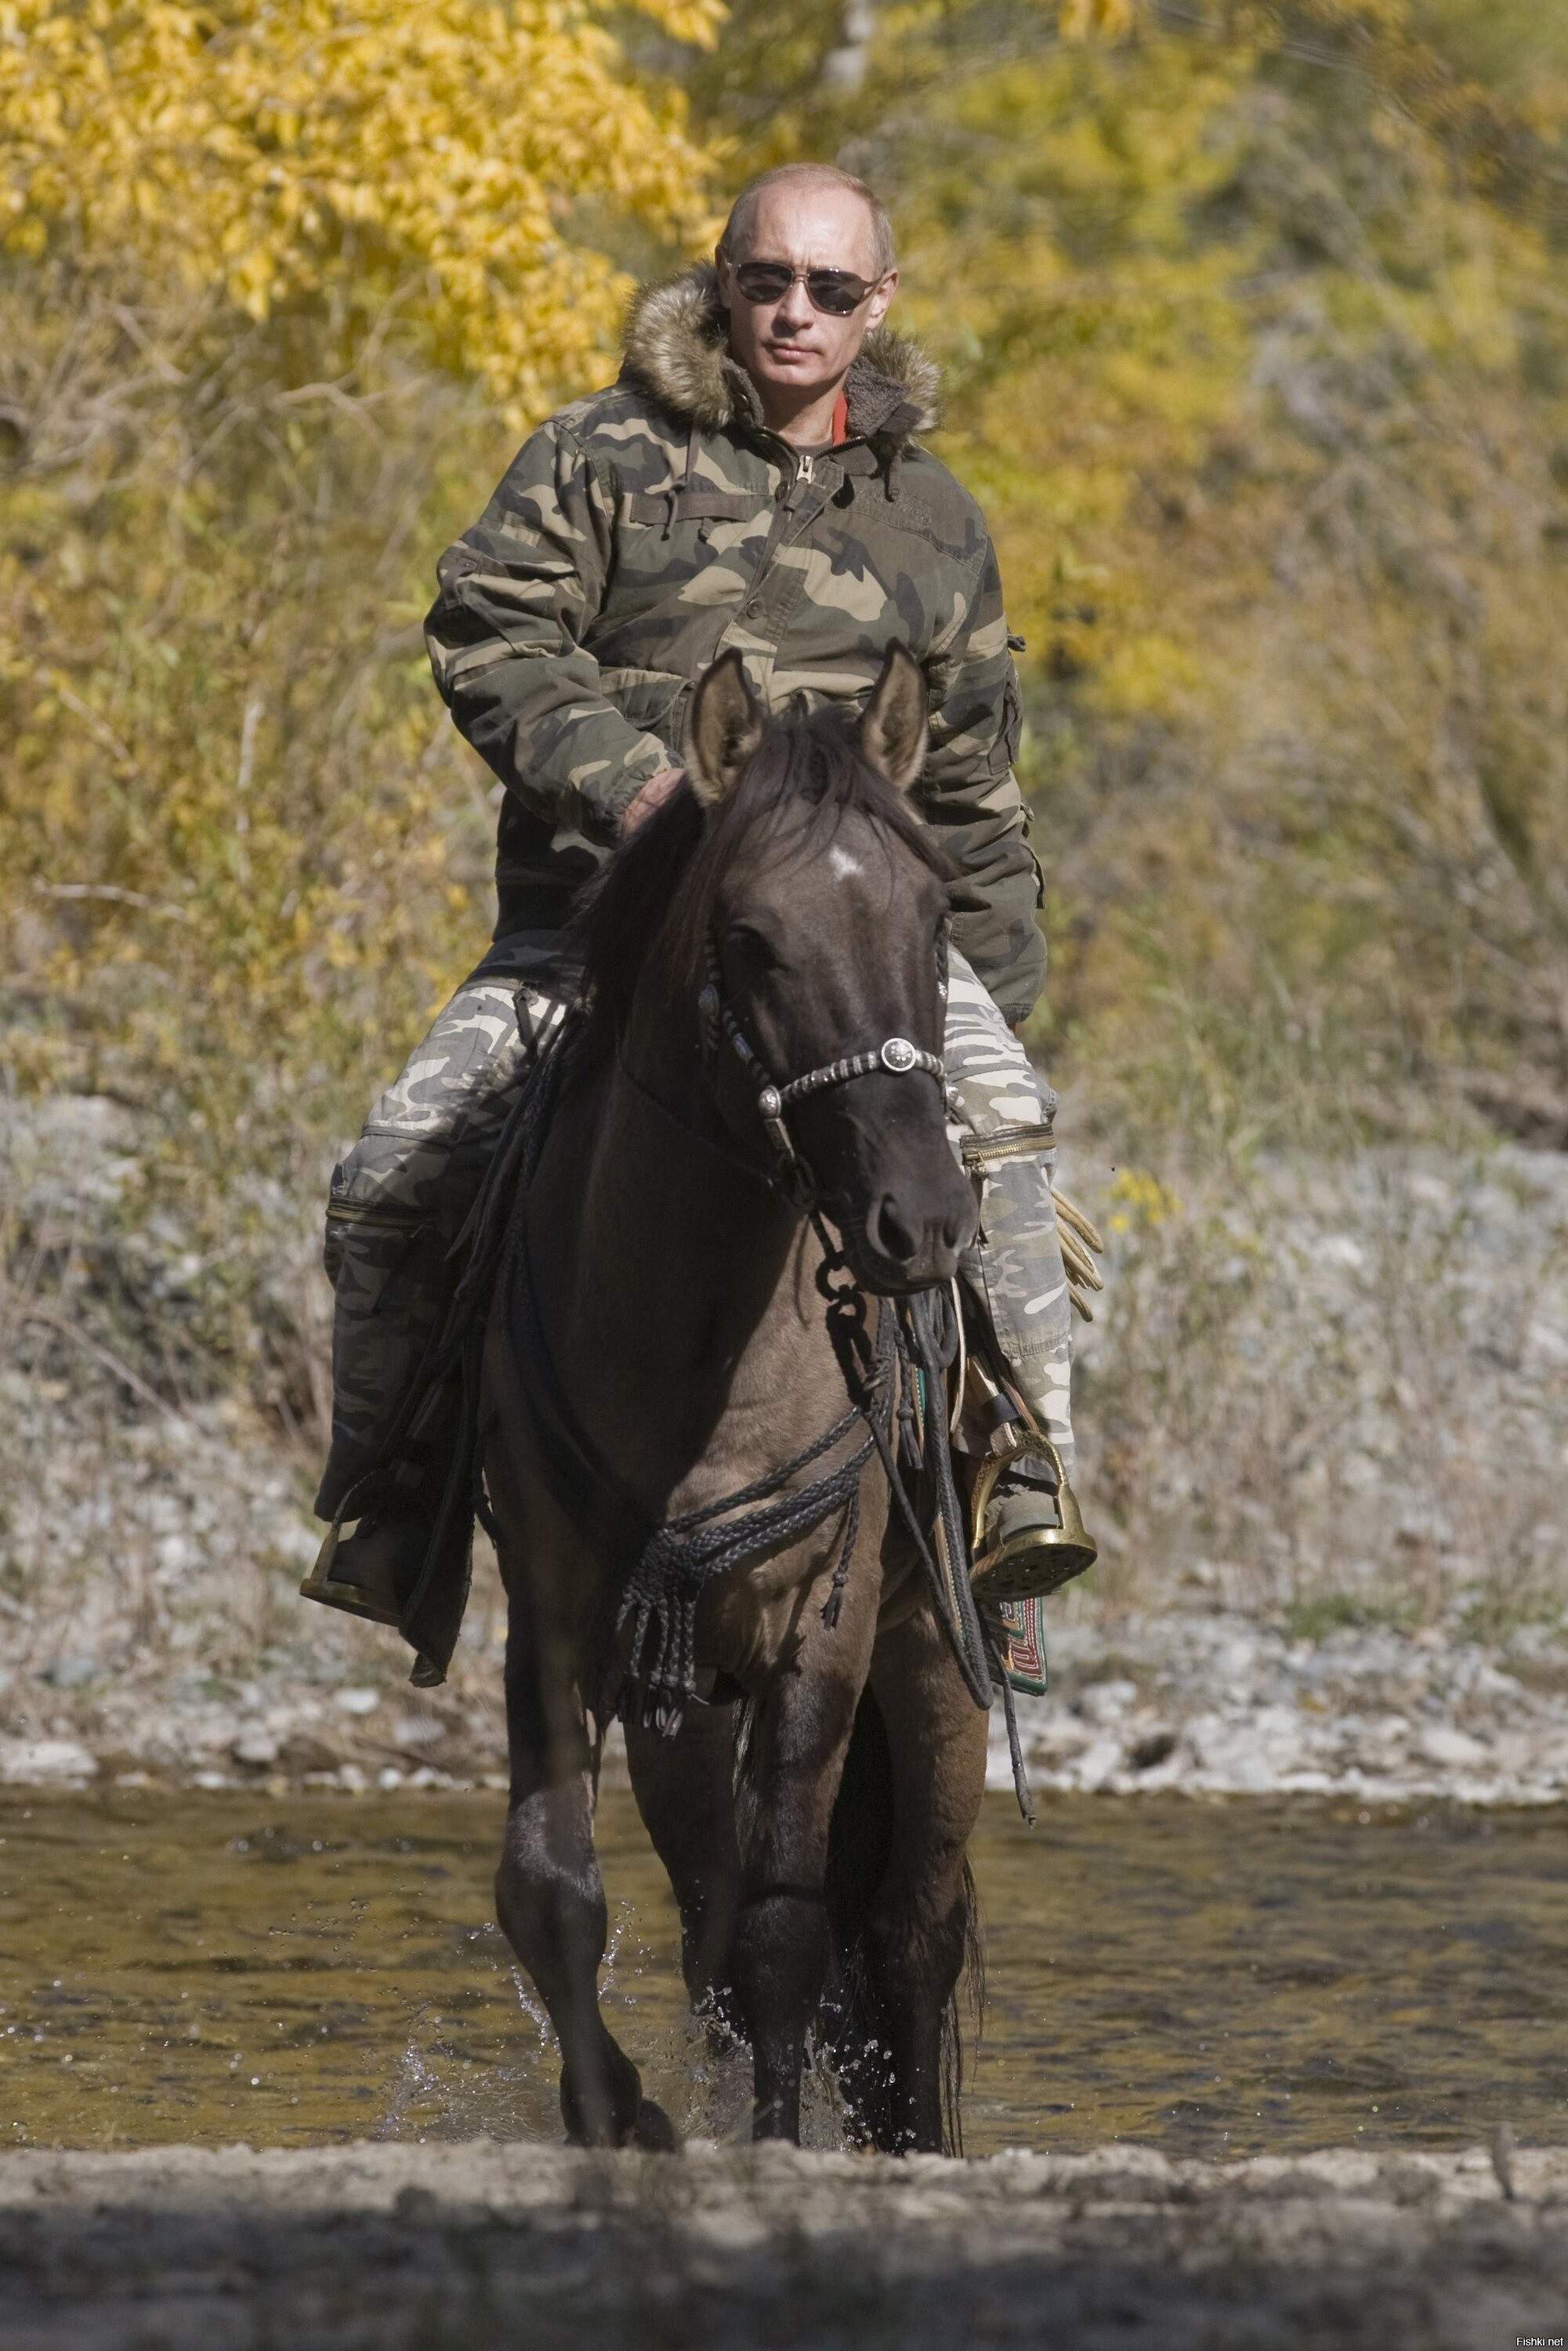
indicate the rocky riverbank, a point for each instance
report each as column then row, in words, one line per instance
column 1198, row 1703
column 1323, row 1414
column 481, row 2246
column 1216, row 1704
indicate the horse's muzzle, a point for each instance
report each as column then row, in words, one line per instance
column 899, row 1249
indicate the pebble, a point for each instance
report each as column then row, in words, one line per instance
column 45, row 1763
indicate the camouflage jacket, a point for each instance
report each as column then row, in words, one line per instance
column 646, row 530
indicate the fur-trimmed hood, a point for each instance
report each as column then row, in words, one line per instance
column 676, row 348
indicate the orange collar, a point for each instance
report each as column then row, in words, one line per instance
column 840, row 420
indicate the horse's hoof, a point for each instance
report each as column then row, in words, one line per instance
column 654, row 2131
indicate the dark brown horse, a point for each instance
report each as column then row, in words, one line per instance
column 657, row 1345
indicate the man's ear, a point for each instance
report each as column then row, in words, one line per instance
column 893, row 732
column 727, row 728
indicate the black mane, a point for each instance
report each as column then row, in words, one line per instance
column 652, row 904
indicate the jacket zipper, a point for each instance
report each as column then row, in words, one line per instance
column 805, row 473
column 783, row 513
column 1018, row 1142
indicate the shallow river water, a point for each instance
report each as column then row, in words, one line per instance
column 1219, row 1978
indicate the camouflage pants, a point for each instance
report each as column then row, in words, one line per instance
column 1014, row 1267
column 400, row 1199
column 398, row 1203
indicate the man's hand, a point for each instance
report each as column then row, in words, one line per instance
column 653, row 795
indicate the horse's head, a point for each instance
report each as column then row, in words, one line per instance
column 825, row 932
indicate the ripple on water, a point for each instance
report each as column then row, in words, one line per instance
column 1238, row 1978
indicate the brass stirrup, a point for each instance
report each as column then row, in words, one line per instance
column 1028, row 1565
column 377, row 1606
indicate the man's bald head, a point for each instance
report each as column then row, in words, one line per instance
column 738, row 238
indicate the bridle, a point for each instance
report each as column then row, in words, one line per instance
column 895, row 1055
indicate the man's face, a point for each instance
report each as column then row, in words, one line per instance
column 787, row 343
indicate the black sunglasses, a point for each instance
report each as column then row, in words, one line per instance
column 836, row 291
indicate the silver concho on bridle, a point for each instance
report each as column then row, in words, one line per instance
column 895, row 1054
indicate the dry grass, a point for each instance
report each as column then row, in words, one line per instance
column 1334, row 1390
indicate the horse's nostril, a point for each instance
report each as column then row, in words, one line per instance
column 922, row 1248
column 892, row 1236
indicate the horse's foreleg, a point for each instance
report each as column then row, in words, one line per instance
column 920, row 1923
column 780, row 1959
column 550, row 1902
column 780, row 1966
column 684, row 1788
column 550, row 1897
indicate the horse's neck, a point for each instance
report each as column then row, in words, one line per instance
column 676, row 1288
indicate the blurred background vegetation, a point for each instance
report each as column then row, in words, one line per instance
column 1255, row 327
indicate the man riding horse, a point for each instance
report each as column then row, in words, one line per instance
column 752, row 481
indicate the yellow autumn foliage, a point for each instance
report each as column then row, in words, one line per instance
column 1255, row 353
column 1256, row 356
column 1081, row 20
column 416, row 158
column 1141, row 1201
column 280, row 281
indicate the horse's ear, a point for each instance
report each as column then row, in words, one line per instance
column 893, row 732
column 727, row 728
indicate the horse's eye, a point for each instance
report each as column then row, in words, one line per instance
column 753, row 950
